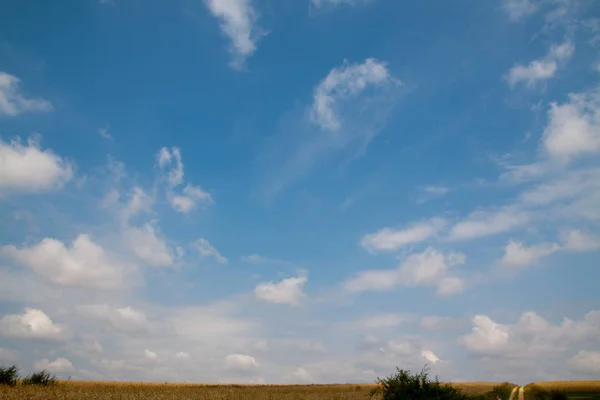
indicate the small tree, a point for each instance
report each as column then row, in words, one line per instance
column 403, row 385
column 9, row 375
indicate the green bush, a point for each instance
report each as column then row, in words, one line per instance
column 535, row 392
column 501, row 391
column 9, row 375
column 405, row 386
column 41, row 378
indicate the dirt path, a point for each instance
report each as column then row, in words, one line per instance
column 522, row 393
column 513, row 393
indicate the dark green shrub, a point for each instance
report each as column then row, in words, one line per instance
column 535, row 392
column 556, row 394
column 403, row 385
column 41, row 378
column 501, row 391
column 9, row 375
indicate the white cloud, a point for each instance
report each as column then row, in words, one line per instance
column 573, row 127
column 147, row 246
column 430, row 356
column 346, row 81
column 577, row 240
column 586, row 362
column 84, row 264
column 150, row 355
column 13, row 102
column 518, row 255
column 531, row 336
column 517, row 9
column 542, row 69
column 57, row 366
column 288, row 291
column 170, row 160
column 138, row 202
column 241, row 362
column 29, row 169
column 33, row 324
column 486, row 223
column 388, row 239
column 238, row 23
column 8, row 355
column 207, row 250
column 302, row 375
column 427, row 268
column 124, row 319
column 181, row 355
column 187, row 201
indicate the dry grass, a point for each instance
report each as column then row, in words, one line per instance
column 475, row 387
column 571, row 386
column 172, row 391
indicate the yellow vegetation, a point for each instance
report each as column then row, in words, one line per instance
column 173, row 391
column 571, row 386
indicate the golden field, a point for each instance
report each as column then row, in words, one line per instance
column 571, row 386
column 172, row 391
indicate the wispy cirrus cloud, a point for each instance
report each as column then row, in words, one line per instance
column 349, row 107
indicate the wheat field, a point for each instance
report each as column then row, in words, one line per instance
column 175, row 391
column 571, row 386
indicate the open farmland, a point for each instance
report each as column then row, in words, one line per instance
column 171, row 391
column 575, row 390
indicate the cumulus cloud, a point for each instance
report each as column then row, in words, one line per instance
column 238, row 22
column 532, row 335
column 343, row 82
column 147, row 246
column 542, row 69
column 573, row 127
column 430, row 356
column 84, row 264
column 57, row 366
column 205, row 249
column 287, row 291
column 33, row 324
column 124, row 319
column 26, row 168
column 518, row 255
column 241, row 362
column 580, row 241
column 13, row 102
column 427, row 268
column 586, row 361
column 388, row 239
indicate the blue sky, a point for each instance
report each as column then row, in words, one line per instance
column 300, row 191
